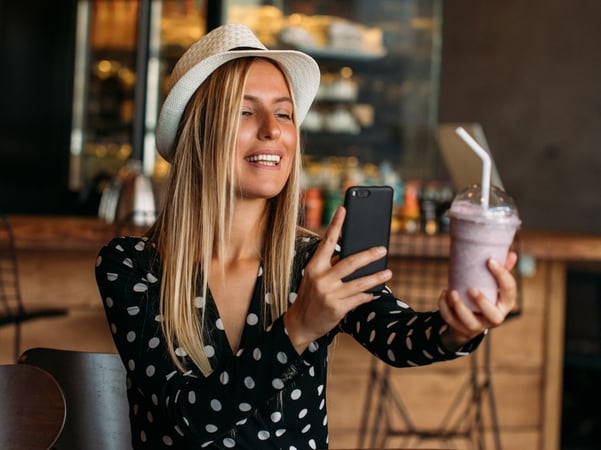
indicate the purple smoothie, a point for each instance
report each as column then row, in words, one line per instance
column 477, row 235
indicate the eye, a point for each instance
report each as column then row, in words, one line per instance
column 245, row 112
column 284, row 115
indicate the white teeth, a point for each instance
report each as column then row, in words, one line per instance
column 268, row 160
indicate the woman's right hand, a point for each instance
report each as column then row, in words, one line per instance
column 323, row 299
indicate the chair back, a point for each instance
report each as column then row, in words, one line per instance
column 94, row 385
column 32, row 408
column 10, row 295
column 12, row 310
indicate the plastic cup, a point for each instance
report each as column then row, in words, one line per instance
column 477, row 235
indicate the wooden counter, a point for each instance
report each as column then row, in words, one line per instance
column 88, row 233
column 57, row 255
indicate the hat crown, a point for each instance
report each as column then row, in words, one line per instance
column 223, row 39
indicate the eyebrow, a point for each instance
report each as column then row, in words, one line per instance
column 277, row 100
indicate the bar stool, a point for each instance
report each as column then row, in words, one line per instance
column 419, row 280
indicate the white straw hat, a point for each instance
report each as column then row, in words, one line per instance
column 221, row 45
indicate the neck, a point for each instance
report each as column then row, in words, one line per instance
column 247, row 232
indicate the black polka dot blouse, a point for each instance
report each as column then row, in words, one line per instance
column 265, row 396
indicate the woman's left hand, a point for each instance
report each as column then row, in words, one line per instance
column 464, row 324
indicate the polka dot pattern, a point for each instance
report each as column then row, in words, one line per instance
column 265, row 392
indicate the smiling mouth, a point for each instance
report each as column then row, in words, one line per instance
column 265, row 160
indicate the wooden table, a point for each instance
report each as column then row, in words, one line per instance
column 32, row 408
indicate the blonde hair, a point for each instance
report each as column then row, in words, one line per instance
column 197, row 215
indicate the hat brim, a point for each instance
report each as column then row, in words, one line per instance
column 301, row 70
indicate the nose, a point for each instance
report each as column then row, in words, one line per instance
column 270, row 128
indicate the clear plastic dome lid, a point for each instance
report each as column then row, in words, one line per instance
column 468, row 205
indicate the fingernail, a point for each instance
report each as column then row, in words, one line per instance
column 473, row 292
column 381, row 250
column 493, row 263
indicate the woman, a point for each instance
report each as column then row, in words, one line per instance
column 224, row 312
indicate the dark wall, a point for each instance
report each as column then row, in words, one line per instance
column 36, row 76
column 530, row 72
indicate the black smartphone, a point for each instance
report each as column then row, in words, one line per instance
column 366, row 225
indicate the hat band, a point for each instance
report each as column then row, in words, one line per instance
column 236, row 49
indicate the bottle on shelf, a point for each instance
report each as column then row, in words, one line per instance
column 410, row 213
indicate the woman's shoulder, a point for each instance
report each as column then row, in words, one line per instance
column 136, row 247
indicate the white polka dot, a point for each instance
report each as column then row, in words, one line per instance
column 149, row 417
column 257, row 354
column 322, row 403
column 199, row 302
column 303, row 412
column 244, row 407
column 118, row 247
column 408, row 343
column 151, row 278
column 219, row 324
column 131, row 336
column 140, row 287
column 276, row 417
column 150, row 370
column 312, row 444
column 211, row 428
column 313, row 346
column 111, row 276
column 277, row 383
column 209, row 351
column 260, row 271
column 241, row 422
column 391, row 338
column 295, row 394
column 282, row 357
column 229, row 443
column 312, row 371
column 320, row 389
column 178, row 430
column 154, row 342
column 140, row 246
column 249, row 383
column 372, row 335
column 98, row 261
column 371, row 316
column 402, row 304
column 305, row 429
column 142, row 436
column 280, row 432
column 252, row 319
column 155, row 400
column 133, row 310
column 109, row 302
column 263, row 435
column 224, row 378
column 128, row 262
column 268, row 298
column 131, row 364
column 113, row 328
column 192, row 397
column 358, row 327
column 292, row 297
column 391, row 356
column 180, row 352
column 215, row 405
column 325, row 420
column 167, row 440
